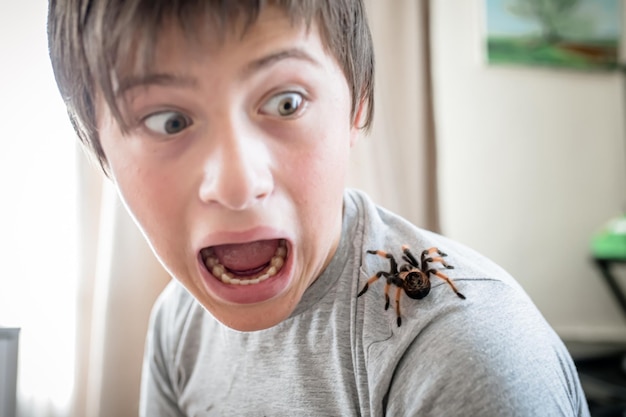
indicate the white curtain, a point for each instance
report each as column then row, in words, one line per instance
column 396, row 164
column 119, row 278
column 37, row 213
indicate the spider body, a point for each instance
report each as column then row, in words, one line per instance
column 412, row 277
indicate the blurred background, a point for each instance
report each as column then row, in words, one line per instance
column 523, row 163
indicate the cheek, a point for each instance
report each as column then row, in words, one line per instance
column 148, row 195
column 155, row 208
column 154, row 195
column 143, row 193
column 318, row 177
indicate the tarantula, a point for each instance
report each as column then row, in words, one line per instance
column 413, row 277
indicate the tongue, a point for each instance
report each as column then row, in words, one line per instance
column 246, row 257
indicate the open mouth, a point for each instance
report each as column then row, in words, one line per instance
column 246, row 263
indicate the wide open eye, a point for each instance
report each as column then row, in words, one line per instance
column 283, row 104
column 167, row 122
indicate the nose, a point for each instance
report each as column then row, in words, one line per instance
column 237, row 171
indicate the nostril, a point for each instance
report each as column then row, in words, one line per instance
column 265, row 191
column 236, row 192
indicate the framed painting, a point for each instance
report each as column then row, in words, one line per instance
column 580, row 34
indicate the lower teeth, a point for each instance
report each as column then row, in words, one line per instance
column 276, row 264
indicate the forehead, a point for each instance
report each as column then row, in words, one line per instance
column 175, row 42
column 188, row 60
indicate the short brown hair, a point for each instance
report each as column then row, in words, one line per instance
column 87, row 40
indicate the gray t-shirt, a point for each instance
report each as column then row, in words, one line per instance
column 492, row 354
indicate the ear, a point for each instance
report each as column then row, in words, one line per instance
column 357, row 122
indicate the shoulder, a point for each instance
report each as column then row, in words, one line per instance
column 490, row 292
column 489, row 354
column 495, row 349
column 494, row 346
column 473, row 274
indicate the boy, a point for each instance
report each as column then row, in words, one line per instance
column 227, row 127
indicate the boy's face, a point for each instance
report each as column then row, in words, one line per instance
column 237, row 154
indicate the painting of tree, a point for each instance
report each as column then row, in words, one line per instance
column 582, row 34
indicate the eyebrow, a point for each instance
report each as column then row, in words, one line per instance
column 271, row 59
column 172, row 80
column 163, row 79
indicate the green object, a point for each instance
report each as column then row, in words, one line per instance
column 610, row 242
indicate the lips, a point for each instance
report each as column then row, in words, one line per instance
column 245, row 264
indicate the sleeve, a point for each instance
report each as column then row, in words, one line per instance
column 158, row 395
column 494, row 356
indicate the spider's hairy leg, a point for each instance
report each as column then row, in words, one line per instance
column 387, row 301
column 369, row 282
column 427, row 258
column 409, row 257
column 392, row 260
column 440, row 260
column 399, row 317
column 379, row 253
column 433, row 250
column 448, row 280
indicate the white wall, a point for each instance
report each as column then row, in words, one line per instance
column 531, row 164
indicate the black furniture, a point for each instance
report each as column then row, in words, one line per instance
column 603, row 373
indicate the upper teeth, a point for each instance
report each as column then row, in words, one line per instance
column 219, row 271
